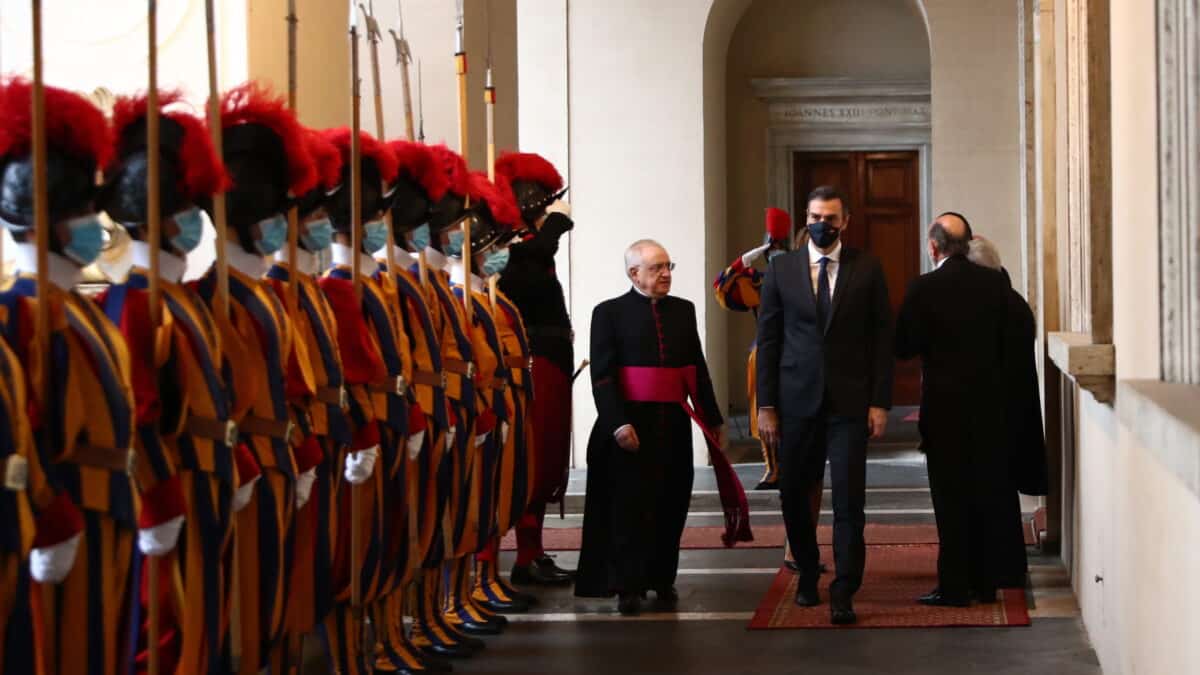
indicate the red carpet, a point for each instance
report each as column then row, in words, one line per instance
column 765, row 536
column 895, row 577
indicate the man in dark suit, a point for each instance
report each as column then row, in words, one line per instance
column 954, row 318
column 824, row 384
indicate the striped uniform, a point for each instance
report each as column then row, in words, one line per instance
column 184, row 418
column 317, row 395
column 377, row 368
column 81, row 624
column 256, row 344
column 23, row 480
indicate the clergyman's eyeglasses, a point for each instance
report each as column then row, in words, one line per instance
column 659, row 268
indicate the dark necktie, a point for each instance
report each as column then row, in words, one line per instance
column 824, row 298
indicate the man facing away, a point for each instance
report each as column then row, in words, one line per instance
column 824, row 384
column 645, row 355
column 954, row 318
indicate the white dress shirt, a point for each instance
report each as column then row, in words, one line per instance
column 814, row 265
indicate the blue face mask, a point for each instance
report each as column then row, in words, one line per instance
column 454, row 247
column 86, row 239
column 374, row 236
column 494, row 262
column 420, row 237
column 191, row 226
column 318, row 235
column 273, row 234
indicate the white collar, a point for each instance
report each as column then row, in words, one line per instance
column 435, row 258
column 170, row 266
column 305, row 263
column 62, row 273
column 815, row 255
column 405, row 259
column 941, row 262
column 248, row 264
column 343, row 256
column 458, row 270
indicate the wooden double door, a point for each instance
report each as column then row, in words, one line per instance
column 884, row 193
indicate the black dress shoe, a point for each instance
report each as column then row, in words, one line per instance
column 666, row 598
column 513, row 606
column 542, row 572
column 485, row 628
column 629, row 604
column 841, row 612
column 937, row 598
column 767, row 485
column 807, row 596
column 458, row 651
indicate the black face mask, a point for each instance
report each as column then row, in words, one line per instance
column 823, row 233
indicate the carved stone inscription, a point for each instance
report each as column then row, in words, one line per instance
column 850, row 113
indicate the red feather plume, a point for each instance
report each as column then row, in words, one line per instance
column 455, row 168
column 251, row 103
column 203, row 172
column 385, row 160
column 327, row 157
column 528, row 166
column 73, row 125
column 416, row 160
column 499, row 202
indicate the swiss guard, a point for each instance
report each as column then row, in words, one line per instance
column 495, row 467
column 318, row 398
column 419, row 184
column 378, row 369
column 184, row 426
column 268, row 161
column 79, row 396
column 433, row 631
column 530, row 281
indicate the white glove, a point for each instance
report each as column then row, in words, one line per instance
column 241, row 496
column 753, row 254
column 360, row 465
column 52, row 564
column 480, row 439
column 414, row 443
column 160, row 539
column 503, row 433
column 559, row 206
column 304, row 486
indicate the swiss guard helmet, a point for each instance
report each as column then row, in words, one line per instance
column 378, row 175
column 534, row 182
column 189, row 169
column 450, row 209
column 268, row 160
column 492, row 213
column 78, row 141
column 421, row 183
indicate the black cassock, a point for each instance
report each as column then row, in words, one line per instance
column 637, row 502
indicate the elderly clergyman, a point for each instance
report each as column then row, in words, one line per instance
column 650, row 383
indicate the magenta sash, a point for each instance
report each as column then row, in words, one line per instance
column 649, row 384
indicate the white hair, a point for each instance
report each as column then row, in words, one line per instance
column 984, row 253
column 633, row 254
